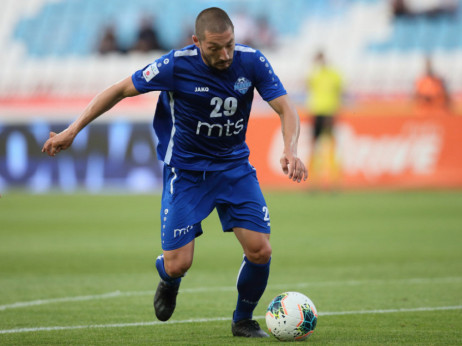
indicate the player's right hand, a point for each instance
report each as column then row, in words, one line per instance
column 57, row 142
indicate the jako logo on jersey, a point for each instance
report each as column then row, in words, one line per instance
column 242, row 85
column 150, row 72
column 201, row 90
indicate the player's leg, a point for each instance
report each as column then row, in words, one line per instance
column 180, row 225
column 254, row 272
column 251, row 281
column 243, row 210
column 171, row 266
column 177, row 262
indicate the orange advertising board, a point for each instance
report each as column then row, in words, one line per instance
column 370, row 151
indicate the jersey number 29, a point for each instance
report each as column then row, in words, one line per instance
column 229, row 106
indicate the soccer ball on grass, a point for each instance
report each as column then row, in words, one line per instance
column 291, row 316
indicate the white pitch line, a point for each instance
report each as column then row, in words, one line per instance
column 117, row 294
column 113, row 325
column 390, row 311
column 217, row 319
column 59, row 300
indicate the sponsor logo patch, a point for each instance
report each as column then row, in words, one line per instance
column 150, row 72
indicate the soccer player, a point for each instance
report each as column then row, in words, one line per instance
column 201, row 120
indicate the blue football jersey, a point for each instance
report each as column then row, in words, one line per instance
column 202, row 113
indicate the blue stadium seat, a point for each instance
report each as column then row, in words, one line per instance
column 73, row 27
column 421, row 34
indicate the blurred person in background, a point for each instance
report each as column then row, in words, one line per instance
column 424, row 8
column 253, row 31
column 201, row 119
column 430, row 92
column 147, row 39
column 324, row 98
column 399, row 8
column 265, row 36
column 109, row 42
column 246, row 27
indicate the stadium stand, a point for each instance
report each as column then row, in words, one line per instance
column 50, row 46
column 50, row 68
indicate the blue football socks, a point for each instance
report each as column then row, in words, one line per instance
column 251, row 283
column 163, row 274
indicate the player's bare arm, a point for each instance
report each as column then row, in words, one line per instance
column 290, row 123
column 100, row 104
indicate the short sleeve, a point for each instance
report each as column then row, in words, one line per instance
column 156, row 76
column 267, row 82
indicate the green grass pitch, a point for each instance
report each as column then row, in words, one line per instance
column 381, row 267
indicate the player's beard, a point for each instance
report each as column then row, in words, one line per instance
column 220, row 65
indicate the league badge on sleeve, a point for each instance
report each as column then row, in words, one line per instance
column 150, row 72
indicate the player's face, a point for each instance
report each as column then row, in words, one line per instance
column 217, row 50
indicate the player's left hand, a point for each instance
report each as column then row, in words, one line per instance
column 294, row 168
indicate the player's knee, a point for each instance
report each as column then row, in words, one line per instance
column 260, row 255
column 176, row 269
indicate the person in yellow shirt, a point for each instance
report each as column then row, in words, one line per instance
column 325, row 88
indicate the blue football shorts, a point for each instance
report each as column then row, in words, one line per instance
column 188, row 197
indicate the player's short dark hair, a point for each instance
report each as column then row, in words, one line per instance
column 214, row 20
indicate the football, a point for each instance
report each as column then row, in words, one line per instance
column 291, row 316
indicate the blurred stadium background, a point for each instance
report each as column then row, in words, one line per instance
column 51, row 67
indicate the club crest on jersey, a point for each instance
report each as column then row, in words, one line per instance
column 242, row 85
column 150, row 72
